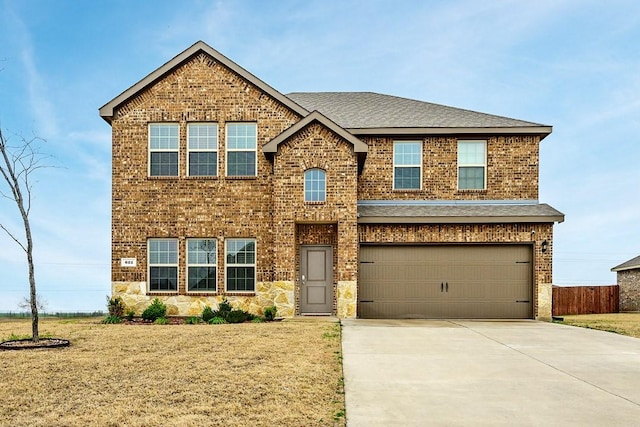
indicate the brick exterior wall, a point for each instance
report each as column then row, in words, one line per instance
column 512, row 170
column 201, row 90
column 629, row 284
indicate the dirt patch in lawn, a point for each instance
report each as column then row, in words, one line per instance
column 621, row 323
column 283, row 373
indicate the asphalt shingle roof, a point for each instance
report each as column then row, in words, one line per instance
column 360, row 110
column 628, row 265
column 452, row 212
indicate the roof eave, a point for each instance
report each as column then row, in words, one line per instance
column 106, row 111
column 542, row 131
column 459, row 219
column 628, row 267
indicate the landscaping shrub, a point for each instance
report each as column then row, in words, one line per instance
column 217, row 321
column 155, row 310
column 193, row 320
column 257, row 320
column 130, row 315
column 115, row 305
column 270, row 313
column 207, row 313
column 111, row 319
column 161, row 321
column 238, row 316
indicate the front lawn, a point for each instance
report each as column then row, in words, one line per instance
column 264, row 374
column 621, row 323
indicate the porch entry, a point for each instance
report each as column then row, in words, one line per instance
column 316, row 279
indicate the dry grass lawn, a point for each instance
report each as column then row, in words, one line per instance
column 621, row 323
column 265, row 374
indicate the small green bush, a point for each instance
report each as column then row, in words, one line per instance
column 130, row 315
column 224, row 307
column 270, row 313
column 208, row 313
column 193, row 320
column 217, row 321
column 155, row 310
column 257, row 320
column 161, row 321
column 238, row 316
column 111, row 319
column 115, row 305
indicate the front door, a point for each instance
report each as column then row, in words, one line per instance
column 316, row 279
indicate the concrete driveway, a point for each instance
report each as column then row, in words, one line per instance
column 488, row 373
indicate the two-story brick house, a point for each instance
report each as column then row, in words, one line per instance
column 351, row 204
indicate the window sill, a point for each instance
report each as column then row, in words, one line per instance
column 240, row 294
column 315, row 203
column 407, row 190
column 162, row 293
column 208, row 177
column 164, row 177
column 202, row 293
column 241, row 177
column 484, row 191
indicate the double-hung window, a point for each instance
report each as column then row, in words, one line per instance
column 163, row 149
column 163, row 264
column 201, row 265
column 315, row 185
column 241, row 144
column 241, row 265
column 472, row 165
column 407, row 165
column 202, row 146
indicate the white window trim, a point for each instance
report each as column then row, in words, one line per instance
column 471, row 165
column 215, row 264
column 203, row 150
column 227, row 150
column 393, row 161
column 324, row 190
column 161, row 150
column 254, row 265
column 176, row 265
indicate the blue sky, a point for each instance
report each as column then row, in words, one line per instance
column 572, row 64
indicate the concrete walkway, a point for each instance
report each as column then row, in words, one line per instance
column 488, row 373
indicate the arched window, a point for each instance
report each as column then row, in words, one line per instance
column 315, row 185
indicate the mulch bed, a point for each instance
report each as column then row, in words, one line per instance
column 28, row 344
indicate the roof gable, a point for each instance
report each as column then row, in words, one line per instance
column 315, row 116
column 367, row 113
column 106, row 111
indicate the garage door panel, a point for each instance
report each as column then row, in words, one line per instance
column 481, row 281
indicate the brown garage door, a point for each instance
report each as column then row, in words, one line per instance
column 475, row 282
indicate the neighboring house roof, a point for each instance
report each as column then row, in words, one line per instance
column 632, row 264
column 445, row 211
column 364, row 113
column 106, row 111
column 315, row 116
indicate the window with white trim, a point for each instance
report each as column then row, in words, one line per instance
column 163, row 149
column 202, row 148
column 407, row 165
column 241, row 145
column 163, row 264
column 240, row 255
column 202, row 265
column 472, row 165
column 315, row 185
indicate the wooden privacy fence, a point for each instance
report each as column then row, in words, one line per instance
column 585, row 299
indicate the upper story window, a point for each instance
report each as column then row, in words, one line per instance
column 163, row 264
column 163, row 149
column 407, row 165
column 315, row 185
column 472, row 165
column 202, row 146
column 241, row 149
column 241, row 265
column 201, row 265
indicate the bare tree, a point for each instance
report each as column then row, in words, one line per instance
column 19, row 163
